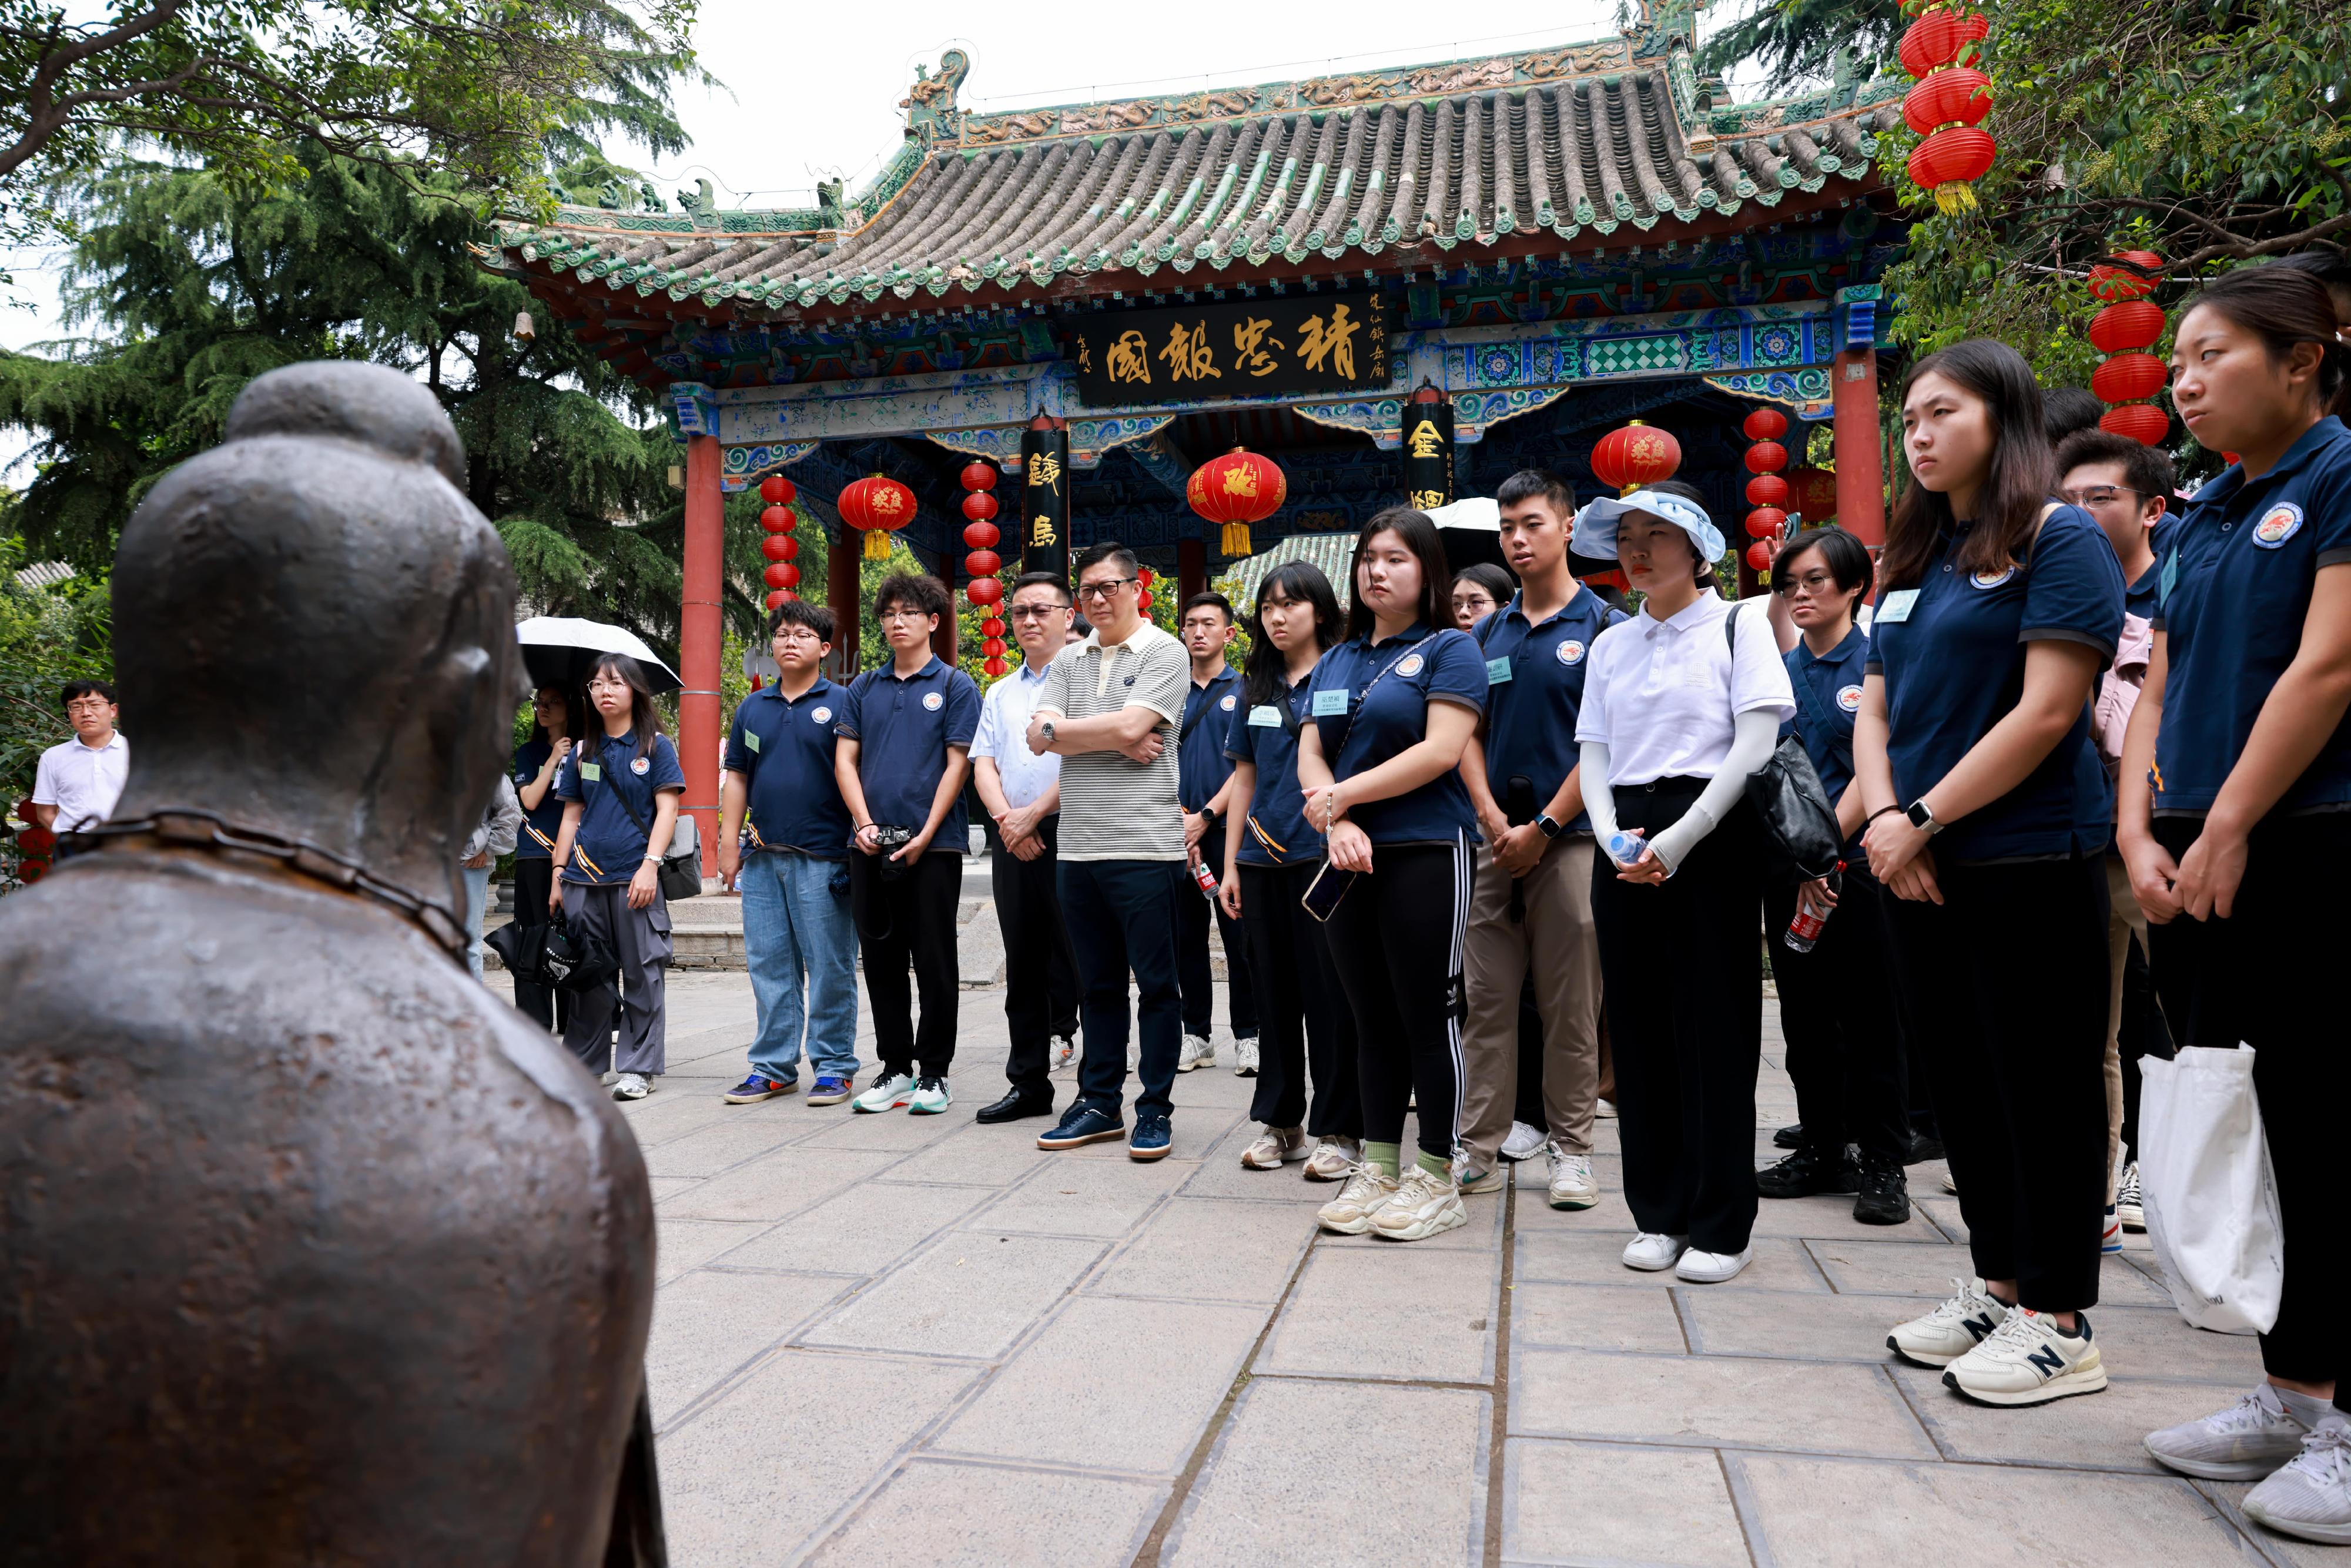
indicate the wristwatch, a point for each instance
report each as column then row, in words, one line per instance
column 1922, row 819
column 1046, row 730
column 1208, row 816
column 1551, row 830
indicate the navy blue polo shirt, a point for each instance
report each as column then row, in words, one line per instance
column 1534, row 690
column 2140, row 597
column 2239, row 581
column 1258, row 737
column 1952, row 653
column 609, row 846
column 783, row 747
column 1360, row 733
column 1201, row 767
column 548, row 818
column 1828, row 694
column 903, row 729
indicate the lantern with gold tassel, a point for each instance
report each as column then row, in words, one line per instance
column 1636, row 455
column 875, row 506
column 1948, row 103
column 1240, row 488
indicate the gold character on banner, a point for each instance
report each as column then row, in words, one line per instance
column 1085, row 354
column 1428, row 500
column 1129, row 359
column 1240, row 480
column 1187, row 354
column 1426, row 441
column 1041, row 532
column 1248, row 337
column 887, row 502
column 1335, row 342
column 1044, row 471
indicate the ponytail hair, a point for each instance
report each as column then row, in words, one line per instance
column 2016, row 487
column 2284, row 307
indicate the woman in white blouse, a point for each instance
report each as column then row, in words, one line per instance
column 1675, row 719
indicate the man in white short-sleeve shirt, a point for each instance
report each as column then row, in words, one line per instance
column 80, row 779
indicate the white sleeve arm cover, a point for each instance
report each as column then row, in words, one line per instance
column 1592, row 757
column 1755, row 734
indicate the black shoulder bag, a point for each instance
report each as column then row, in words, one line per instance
column 680, row 872
column 1800, row 826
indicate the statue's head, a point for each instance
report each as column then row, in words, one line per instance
column 314, row 628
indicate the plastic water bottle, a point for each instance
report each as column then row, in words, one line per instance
column 1624, row 847
column 1206, row 878
column 1805, row 929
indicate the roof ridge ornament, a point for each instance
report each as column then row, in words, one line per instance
column 932, row 113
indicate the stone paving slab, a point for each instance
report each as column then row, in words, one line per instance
column 1713, row 1402
column 1206, row 1249
column 999, row 1514
column 971, row 1293
column 710, row 1322
column 1608, row 1503
column 1402, row 1312
column 1596, row 1317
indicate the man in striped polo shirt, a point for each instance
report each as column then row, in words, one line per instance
column 1109, row 711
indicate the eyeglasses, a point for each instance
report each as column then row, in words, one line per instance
column 88, row 704
column 1038, row 611
column 1104, row 590
column 1810, row 582
column 797, row 634
column 2099, row 494
column 902, row 615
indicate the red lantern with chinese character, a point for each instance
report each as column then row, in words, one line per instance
column 2113, row 284
column 875, row 506
column 1766, row 457
column 1240, row 488
column 777, row 490
column 1814, row 492
column 2142, row 422
column 1764, row 424
column 1767, row 490
column 1637, row 455
column 1765, row 522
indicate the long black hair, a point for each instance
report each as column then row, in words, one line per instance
column 1413, row 526
column 575, row 714
column 2016, row 486
column 1268, row 669
column 644, row 718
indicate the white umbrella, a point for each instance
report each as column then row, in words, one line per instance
column 560, row 651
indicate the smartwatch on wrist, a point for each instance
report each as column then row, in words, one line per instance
column 1922, row 819
column 1208, row 816
column 1551, row 830
column 1046, row 730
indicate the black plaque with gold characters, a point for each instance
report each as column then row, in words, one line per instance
column 1041, row 524
column 1429, row 453
column 1334, row 343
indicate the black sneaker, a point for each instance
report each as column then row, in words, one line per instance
column 1806, row 1172
column 1791, row 1137
column 1885, row 1198
column 1922, row 1149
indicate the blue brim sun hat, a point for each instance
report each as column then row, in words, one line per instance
column 1595, row 524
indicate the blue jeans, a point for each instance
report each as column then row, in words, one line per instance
column 477, row 899
column 796, row 931
column 1121, row 914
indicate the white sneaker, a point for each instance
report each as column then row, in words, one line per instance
column 1607, row 1109
column 632, row 1086
column 1950, row 1182
column 1712, row 1268
column 1245, row 1058
column 1196, row 1052
column 2243, row 1443
column 2311, row 1496
column 2028, row 1361
column 930, row 1097
column 1424, row 1205
column 1273, row 1148
column 1350, row 1213
column 1951, row 1330
column 1650, row 1252
column 1572, row 1185
column 1524, row 1142
column 1331, row 1159
column 1063, row 1052
column 886, row 1094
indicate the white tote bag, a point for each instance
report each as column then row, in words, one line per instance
column 2210, row 1197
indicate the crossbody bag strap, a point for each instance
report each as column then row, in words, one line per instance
column 1811, row 701
column 1402, row 654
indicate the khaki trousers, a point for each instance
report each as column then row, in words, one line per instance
column 2125, row 918
column 1556, row 939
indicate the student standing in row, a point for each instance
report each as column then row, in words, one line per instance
column 554, row 733
column 2236, row 820
column 1271, row 857
column 1682, row 705
column 1392, row 709
column 1530, row 913
column 780, row 791
column 1478, row 591
column 620, row 792
column 906, row 731
column 1204, row 788
column 1999, row 608
column 1022, row 794
column 1840, row 1011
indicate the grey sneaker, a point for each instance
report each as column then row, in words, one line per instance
column 2311, row 1496
column 1245, row 1058
column 1197, row 1052
column 632, row 1086
column 2243, row 1443
column 1524, row 1142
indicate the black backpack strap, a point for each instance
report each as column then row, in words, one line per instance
column 1811, row 699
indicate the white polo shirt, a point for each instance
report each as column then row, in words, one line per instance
column 82, row 782
column 1003, row 737
column 1665, row 694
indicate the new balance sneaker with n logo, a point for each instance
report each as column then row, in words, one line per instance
column 1951, row 1330
column 2029, row 1360
column 2242, row 1443
column 2311, row 1496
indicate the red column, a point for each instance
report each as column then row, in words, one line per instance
column 1191, row 570
column 1860, row 468
column 842, row 593
column 698, row 642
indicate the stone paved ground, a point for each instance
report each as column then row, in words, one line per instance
column 885, row 1339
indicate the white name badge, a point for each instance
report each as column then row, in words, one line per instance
column 1331, row 702
column 591, row 770
column 1894, row 608
column 1496, row 671
column 1262, row 718
column 751, row 738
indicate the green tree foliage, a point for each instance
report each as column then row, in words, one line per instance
column 1797, row 40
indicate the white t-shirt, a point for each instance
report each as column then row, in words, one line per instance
column 1663, row 694
column 81, row 782
column 1003, row 737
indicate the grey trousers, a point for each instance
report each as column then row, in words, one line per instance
column 640, row 939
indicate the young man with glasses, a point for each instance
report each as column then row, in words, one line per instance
column 1022, row 792
column 79, row 780
column 1109, row 711
column 905, row 735
column 1203, row 781
column 783, row 842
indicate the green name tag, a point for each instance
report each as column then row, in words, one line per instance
column 591, row 770
column 1330, row 704
column 1496, row 671
column 2163, row 584
column 1262, row 718
column 751, row 738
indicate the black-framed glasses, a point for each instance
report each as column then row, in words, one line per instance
column 1104, row 590
column 1037, row 612
column 902, row 615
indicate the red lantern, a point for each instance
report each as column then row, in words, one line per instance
column 1946, row 162
column 1767, row 490
column 2126, row 378
column 1144, row 577
column 37, row 841
column 992, row 646
column 779, row 597
column 984, row 591
column 783, row 574
column 2142, row 422
column 1758, row 554
column 1764, row 424
column 777, row 490
column 1766, row 457
column 1637, row 455
column 779, row 519
column 983, row 563
column 1240, row 488
column 980, row 506
column 875, row 506
column 995, row 666
column 2133, row 324
column 1765, row 522
column 2115, row 283
column 1959, row 96
column 991, row 627
column 1939, row 38
column 980, row 536
column 779, row 547
column 978, row 476
column 1813, row 490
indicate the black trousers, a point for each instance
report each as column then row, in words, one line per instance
column 1683, row 973
column 2142, row 1034
column 1040, row 972
column 534, row 878
column 1845, row 1050
column 1193, row 972
column 2267, row 978
column 1306, row 1026
column 1122, row 918
column 1395, row 942
column 903, row 920
column 2007, row 978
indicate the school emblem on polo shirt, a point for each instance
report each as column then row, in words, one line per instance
column 2279, row 524
column 642, row 765
column 1409, row 666
column 1849, row 698
column 1227, row 704
column 933, row 701
column 821, row 715
column 1989, row 579
column 1571, row 652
